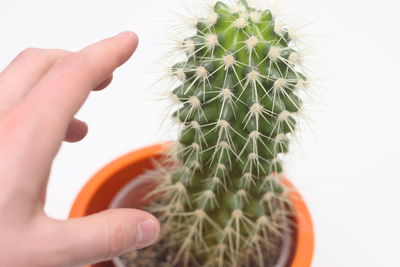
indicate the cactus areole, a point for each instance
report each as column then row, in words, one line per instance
column 221, row 203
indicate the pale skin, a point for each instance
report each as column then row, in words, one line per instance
column 40, row 92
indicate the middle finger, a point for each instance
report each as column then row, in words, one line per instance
column 23, row 73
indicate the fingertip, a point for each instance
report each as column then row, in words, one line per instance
column 125, row 44
column 104, row 84
column 76, row 131
column 147, row 233
column 107, row 234
column 131, row 36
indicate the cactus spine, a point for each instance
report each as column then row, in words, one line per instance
column 221, row 203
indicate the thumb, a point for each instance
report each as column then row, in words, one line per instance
column 107, row 234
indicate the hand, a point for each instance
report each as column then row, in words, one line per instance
column 40, row 91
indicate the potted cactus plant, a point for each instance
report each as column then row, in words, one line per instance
column 218, row 190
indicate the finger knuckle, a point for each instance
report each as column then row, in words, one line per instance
column 118, row 239
column 39, row 56
column 71, row 60
column 77, row 61
column 29, row 52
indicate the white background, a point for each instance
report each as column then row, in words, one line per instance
column 346, row 170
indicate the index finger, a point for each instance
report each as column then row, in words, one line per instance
column 64, row 88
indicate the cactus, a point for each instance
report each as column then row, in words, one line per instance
column 220, row 200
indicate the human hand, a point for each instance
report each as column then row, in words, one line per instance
column 40, row 91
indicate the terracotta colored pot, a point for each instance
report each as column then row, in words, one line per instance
column 98, row 193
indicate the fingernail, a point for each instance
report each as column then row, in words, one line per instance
column 146, row 233
column 127, row 33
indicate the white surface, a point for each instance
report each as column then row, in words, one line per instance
column 347, row 173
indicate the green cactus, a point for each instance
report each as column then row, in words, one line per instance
column 221, row 202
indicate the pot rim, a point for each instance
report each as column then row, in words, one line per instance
column 304, row 240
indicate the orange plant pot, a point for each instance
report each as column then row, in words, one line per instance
column 98, row 193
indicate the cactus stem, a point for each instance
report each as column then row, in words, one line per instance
column 240, row 89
